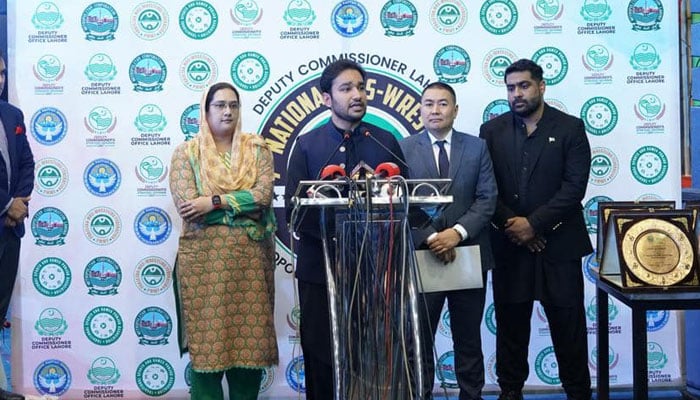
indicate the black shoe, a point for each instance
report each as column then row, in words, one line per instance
column 511, row 395
column 5, row 395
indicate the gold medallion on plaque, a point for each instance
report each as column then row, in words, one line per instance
column 657, row 252
column 651, row 250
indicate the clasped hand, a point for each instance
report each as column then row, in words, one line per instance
column 443, row 245
column 17, row 211
column 191, row 210
column 520, row 232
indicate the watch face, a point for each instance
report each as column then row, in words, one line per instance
column 216, row 200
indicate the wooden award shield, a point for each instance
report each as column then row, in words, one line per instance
column 605, row 207
column 651, row 250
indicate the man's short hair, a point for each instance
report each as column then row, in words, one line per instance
column 336, row 68
column 441, row 85
column 524, row 65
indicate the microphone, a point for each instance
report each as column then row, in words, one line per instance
column 386, row 170
column 368, row 134
column 330, row 172
column 346, row 137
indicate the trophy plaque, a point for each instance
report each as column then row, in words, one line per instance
column 651, row 250
column 694, row 206
column 605, row 207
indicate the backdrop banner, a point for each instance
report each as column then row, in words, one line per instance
column 109, row 88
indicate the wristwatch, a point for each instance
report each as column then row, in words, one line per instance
column 216, row 201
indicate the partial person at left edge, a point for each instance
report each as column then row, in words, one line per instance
column 16, row 183
column 222, row 185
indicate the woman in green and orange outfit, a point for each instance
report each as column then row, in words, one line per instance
column 222, row 185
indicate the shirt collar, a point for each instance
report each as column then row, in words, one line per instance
column 447, row 138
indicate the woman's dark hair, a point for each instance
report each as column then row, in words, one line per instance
column 215, row 88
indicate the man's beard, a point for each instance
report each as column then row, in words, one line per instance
column 345, row 115
column 530, row 107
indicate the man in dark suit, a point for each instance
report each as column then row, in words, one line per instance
column 541, row 159
column 345, row 141
column 16, row 183
column 442, row 152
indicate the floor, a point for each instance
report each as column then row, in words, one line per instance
column 5, row 354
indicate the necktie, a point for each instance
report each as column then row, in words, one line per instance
column 443, row 161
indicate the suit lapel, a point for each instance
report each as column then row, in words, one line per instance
column 425, row 148
column 457, row 150
column 9, row 133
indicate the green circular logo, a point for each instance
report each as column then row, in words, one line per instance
column 448, row 16
column 656, row 357
column 51, row 323
column 554, row 64
column 494, row 109
column 246, row 12
column 494, row 65
column 645, row 16
column 51, row 177
column 155, row 376
column 47, row 16
column 250, row 71
column 498, row 16
column 592, row 310
column 645, row 57
column 546, row 366
column 103, row 325
column 198, row 70
column 649, row 165
column 49, row 227
column 604, row 166
column 103, row 371
column 100, row 68
column 597, row 58
column 595, row 10
column 51, row 276
column 600, row 115
column 149, row 20
column 102, row 226
column 452, row 64
column 198, row 19
column 490, row 318
column 650, row 107
column 548, row 10
column 102, row 276
column 299, row 13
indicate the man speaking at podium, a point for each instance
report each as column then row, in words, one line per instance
column 345, row 140
column 442, row 152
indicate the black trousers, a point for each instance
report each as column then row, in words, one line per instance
column 9, row 262
column 466, row 309
column 567, row 326
column 316, row 340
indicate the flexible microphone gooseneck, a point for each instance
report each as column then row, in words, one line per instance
column 346, row 137
column 368, row 134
